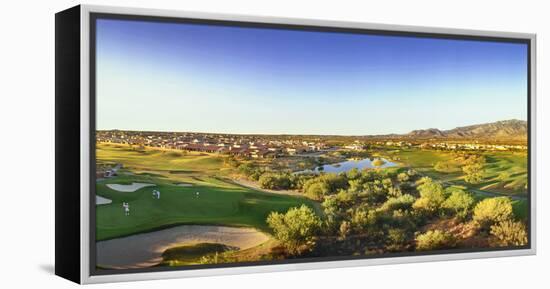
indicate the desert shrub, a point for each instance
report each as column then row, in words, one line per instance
column 443, row 166
column 509, row 233
column 407, row 188
column 324, row 185
column 275, row 181
column 247, row 168
column 296, row 229
column 345, row 229
column 231, row 162
column 404, row 219
column 403, row 177
column 387, row 183
column 374, row 192
column 355, row 185
column 492, row 210
column 459, row 203
column 299, row 180
column 412, row 173
column 473, row 169
column 316, row 190
column 353, row 174
column 362, row 220
column 395, row 192
column 397, row 239
column 250, row 170
column 403, row 202
column 431, row 198
column 435, row 240
column 332, row 212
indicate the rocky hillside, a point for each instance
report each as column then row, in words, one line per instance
column 506, row 129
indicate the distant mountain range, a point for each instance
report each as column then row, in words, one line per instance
column 505, row 130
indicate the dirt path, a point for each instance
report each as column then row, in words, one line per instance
column 145, row 250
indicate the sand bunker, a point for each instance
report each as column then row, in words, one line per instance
column 145, row 250
column 99, row 200
column 128, row 188
column 184, row 185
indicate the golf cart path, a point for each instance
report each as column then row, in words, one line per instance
column 145, row 249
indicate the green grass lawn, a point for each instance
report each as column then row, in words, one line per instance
column 191, row 254
column 219, row 202
column 159, row 160
column 512, row 164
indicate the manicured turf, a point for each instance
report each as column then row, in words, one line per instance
column 219, row 202
column 158, row 159
column 514, row 164
column 521, row 209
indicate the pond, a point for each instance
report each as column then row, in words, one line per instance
column 345, row 166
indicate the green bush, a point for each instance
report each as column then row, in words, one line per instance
column 459, row 203
column 362, row 220
column 492, row 211
column 323, row 185
column 435, row 240
column 403, row 177
column 316, row 190
column 296, row 229
column 403, row 202
column 345, row 229
column 509, row 233
column 431, row 198
column 473, row 169
column 397, row 239
column 275, row 181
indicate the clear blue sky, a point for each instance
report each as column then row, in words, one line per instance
column 190, row 77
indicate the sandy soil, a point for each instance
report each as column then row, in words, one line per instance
column 128, row 188
column 144, row 250
column 99, row 200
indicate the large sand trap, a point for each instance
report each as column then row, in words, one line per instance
column 99, row 200
column 128, row 188
column 145, row 250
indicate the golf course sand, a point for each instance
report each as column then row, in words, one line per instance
column 99, row 200
column 128, row 188
column 145, row 250
column 184, row 185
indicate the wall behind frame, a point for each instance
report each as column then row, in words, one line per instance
column 27, row 118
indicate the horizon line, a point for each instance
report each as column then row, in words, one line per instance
column 305, row 134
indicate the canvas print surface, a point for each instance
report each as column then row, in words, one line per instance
column 226, row 144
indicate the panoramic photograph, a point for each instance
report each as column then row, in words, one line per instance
column 223, row 144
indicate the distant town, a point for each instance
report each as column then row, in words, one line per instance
column 265, row 146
